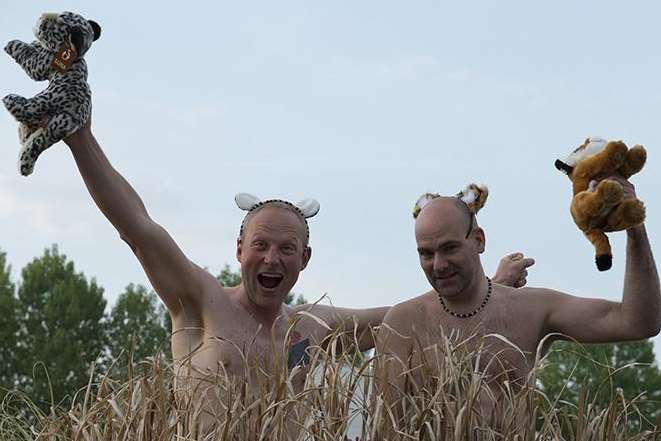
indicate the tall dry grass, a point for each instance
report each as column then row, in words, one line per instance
column 336, row 401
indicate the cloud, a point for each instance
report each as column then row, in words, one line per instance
column 408, row 68
column 29, row 206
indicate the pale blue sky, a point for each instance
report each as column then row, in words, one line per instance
column 362, row 105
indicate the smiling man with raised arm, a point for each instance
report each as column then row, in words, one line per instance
column 463, row 302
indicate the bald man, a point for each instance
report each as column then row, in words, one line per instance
column 463, row 302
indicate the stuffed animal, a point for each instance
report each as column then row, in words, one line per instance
column 65, row 105
column 598, row 206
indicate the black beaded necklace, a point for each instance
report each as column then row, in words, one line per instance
column 473, row 312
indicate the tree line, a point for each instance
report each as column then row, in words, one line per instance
column 55, row 326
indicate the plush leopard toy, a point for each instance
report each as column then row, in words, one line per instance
column 65, row 105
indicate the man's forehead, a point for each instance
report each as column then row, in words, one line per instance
column 442, row 218
column 276, row 220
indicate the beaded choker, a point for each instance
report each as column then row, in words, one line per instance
column 473, row 312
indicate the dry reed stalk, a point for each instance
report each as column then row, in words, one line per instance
column 336, row 396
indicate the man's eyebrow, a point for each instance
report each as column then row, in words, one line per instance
column 441, row 245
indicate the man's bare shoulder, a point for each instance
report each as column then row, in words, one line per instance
column 531, row 298
column 403, row 315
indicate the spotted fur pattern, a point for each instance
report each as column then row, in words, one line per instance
column 66, row 103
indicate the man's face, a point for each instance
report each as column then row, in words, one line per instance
column 272, row 253
column 449, row 259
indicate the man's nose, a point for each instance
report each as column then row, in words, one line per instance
column 440, row 263
column 271, row 255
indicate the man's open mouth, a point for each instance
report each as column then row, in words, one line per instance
column 269, row 280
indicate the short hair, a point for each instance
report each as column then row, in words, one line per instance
column 278, row 203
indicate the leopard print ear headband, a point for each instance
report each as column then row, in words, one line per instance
column 474, row 196
column 306, row 208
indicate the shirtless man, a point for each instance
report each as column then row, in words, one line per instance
column 463, row 300
column 213, row 326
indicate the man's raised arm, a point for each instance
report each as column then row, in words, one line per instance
column 636, row 317
column 175, row 278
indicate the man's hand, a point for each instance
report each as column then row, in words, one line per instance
column 629, row 189
column 81, row 134
column 512, row 270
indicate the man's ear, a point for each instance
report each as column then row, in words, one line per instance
column 307, row 254
column 480, row 239
column 239, row 245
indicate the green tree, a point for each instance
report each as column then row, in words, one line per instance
column 228, row 277
column 601, row 370
column 62, row 328
column 137, row 327
column 8, row 327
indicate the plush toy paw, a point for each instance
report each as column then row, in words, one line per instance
column 630, row 213
column 633, row 212
column 31, row 150
column 614, row 155
column 13, row 47
column 14, row 103
column 634, row 161
column 604, row 262
column 611, row 192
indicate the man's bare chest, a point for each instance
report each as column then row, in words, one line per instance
column 237, row 345
column 503, row 338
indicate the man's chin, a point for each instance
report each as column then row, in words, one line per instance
column 272, row 295
column 447, row 288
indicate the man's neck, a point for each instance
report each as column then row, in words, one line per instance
column 472, row 296
column 263, row 316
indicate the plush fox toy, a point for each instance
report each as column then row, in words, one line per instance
column 597, row 206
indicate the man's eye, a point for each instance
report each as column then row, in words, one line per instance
column 288, row 249
column 259, row 245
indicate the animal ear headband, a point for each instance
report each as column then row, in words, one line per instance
column 474, row 196
column 306, row 208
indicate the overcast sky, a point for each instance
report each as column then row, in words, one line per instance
column 362, row 105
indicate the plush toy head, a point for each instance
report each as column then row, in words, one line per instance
column 598, row 205
column 589, row 147
column 54, row 31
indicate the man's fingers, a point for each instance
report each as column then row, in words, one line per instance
column 520, row 283
column 528, row 262
column 515, row 256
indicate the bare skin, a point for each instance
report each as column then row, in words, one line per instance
column 451, row 262
column 215, row 327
